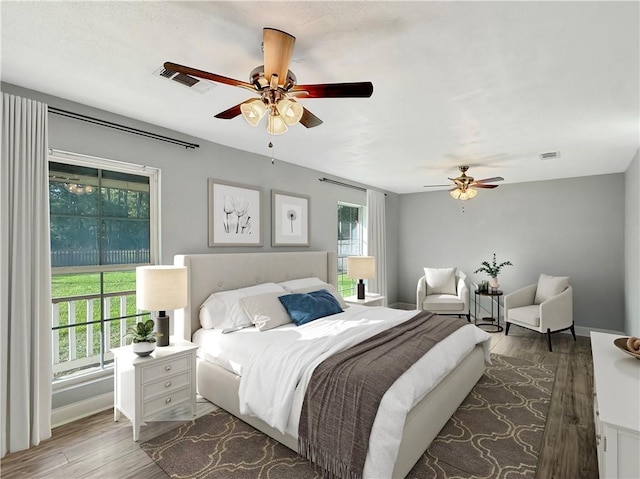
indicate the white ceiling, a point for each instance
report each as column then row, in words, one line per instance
column 489, row 84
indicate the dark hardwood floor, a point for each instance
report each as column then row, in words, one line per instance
column 97, row 447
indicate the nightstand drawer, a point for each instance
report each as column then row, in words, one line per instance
column 166, row 385
column 166, row 401
column 164, row 369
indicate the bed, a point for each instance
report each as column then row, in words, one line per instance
column 210, row 273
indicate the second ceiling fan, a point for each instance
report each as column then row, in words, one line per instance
column 276, row 87
column 464, row 185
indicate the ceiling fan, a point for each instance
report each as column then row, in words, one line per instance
column 463, row 185
column 276, row 87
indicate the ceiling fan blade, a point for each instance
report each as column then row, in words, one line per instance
column 490, row 180
column 232, row 112
column 435, row 186
column 309, row 119
column 481, row 185
column 334, row 90
column 207, row 76
column 278, row 48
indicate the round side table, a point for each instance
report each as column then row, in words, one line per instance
column 490, row 324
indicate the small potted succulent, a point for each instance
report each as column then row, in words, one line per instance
column 493, row 269
column 144, row 337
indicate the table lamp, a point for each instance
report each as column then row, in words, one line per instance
column 161, row 288
column 361, row 267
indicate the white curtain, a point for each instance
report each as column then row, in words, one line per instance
column 376, row 240
column 25, row 288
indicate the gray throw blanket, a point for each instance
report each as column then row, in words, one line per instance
column 345, row 390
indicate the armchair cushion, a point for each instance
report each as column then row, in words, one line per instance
column 526, row 315
column 440, row 280
column 550, row 286
column 443, row 302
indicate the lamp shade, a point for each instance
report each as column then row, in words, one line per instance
column 161, row 288
column 290, row 110
column 253, row 111
column 276, row 124
column 361, row 267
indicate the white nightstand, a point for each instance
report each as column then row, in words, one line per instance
column 368, row 300
column 147, row 386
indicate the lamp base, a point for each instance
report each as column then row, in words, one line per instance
column 162, row 327
column 361, row 289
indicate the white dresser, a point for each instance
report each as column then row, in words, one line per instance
column 616, row 406
column 145, row 387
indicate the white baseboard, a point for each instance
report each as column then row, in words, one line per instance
column 78, row 410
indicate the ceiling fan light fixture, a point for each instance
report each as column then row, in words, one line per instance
column 455, row 194
column 290, row 110
column 468, row 194
column 276, row 124
column 253, row 111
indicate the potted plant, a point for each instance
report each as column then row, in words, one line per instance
column 493, row 269
column 144, row 337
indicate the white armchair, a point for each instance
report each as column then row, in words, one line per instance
column 546, row 307
column 443, row 291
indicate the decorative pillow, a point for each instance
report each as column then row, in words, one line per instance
column 550, row 286
column 223, row 309
column 305, row 307
column 441, row 280
column 265, row 311
column 306, row 285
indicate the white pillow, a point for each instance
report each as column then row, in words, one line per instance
column 307, row 285
column 265, row 310
column 441, row 280
column 223, row 309
column 550, row 286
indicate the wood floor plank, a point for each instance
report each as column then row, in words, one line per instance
column 97, row 447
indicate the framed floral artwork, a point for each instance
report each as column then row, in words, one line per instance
column 234, row 214
column 289, row 219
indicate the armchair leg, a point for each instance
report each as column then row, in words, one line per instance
column 469, row 317
column 549, row 339
column 506, row 331
column 573, row 332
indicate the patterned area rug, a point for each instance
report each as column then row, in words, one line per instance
column 495, row 433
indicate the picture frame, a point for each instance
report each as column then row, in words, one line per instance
column 235, row 214
column 290, row 224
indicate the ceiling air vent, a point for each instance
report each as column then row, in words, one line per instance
column 201, row 86
column 550, row 155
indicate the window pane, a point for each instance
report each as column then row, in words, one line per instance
column 125, row 242
column 74, row 241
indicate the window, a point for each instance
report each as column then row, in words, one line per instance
column 350, row 243
column 102, row 225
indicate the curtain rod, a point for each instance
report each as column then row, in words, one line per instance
column 116, row 126
column 346, row 185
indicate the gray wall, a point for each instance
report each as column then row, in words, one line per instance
column 571, row 227
column 632, row 247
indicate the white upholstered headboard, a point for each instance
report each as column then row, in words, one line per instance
column 210, row 273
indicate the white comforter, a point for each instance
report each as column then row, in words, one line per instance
column 277, row 367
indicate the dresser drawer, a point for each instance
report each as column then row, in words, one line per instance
column 165, row 401
column 166, row 385
column 164, row 369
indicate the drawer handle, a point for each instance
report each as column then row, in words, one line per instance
column 168, row 400
column 168, row 368
column 167, row 384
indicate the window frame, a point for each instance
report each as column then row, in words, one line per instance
column 154, row 175
column 362, row 218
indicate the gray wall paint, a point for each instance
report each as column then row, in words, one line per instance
column 571, row 227
column 632, row 247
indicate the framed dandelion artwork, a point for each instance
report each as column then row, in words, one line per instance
column 289, row 219
column 234, row 214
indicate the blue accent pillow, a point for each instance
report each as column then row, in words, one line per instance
column 305, row 307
